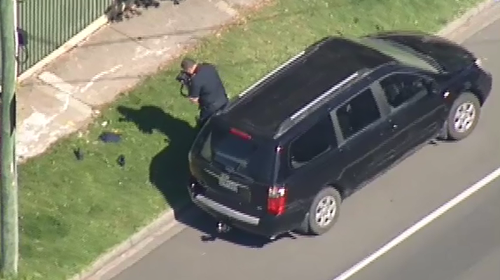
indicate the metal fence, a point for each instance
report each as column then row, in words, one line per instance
column 48, row 24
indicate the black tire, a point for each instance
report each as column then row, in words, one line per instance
column 311, row 226
column 453, row 133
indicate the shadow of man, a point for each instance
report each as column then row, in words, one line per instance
column 168, row 170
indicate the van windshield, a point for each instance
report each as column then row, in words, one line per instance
column 400, row 53
column 236, row 154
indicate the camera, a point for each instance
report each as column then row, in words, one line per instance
column 183, row 78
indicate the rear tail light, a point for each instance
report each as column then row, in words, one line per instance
column 240, row 133
column 276, row 200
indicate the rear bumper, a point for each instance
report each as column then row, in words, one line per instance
column 213, row 206
column 267, row 226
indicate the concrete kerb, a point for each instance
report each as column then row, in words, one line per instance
column 161, row 224
column 465, row 18
column 166, row 220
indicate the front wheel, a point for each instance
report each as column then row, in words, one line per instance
column 463, row 116
column 324, row 212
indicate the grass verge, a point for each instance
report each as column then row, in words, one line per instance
column 72, row 211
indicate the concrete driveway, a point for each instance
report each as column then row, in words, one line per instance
column 461, row 243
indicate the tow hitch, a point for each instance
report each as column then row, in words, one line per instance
column 223, row 227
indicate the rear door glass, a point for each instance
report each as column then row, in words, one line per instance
column 312, row 143
column 238, row 154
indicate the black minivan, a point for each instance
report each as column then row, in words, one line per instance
column 285, row 153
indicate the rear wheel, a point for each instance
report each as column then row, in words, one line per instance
column 463, row 116
column 323, row 213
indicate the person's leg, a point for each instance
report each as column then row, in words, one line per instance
column 203, row 117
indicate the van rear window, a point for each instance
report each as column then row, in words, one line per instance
column 236, row 154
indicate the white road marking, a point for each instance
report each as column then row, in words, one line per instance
column 420, row 224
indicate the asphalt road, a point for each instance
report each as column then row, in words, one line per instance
column 464, row 240
column 463, row 244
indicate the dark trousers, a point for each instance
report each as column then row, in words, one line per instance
column 206, row 113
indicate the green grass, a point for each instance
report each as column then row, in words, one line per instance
column 72, row 211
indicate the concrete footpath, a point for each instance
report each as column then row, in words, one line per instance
column 67, row 93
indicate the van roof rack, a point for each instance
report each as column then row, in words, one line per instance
column 276, row 70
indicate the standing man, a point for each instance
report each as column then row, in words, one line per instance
column 205, row 88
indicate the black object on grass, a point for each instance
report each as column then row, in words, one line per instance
column 121, row 160
column 78, row 154
column 110, row 137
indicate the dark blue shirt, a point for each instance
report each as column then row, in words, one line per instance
column 207, row 86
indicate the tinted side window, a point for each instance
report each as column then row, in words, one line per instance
column 313, row 142
column 358, row 113
column 403, row 88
